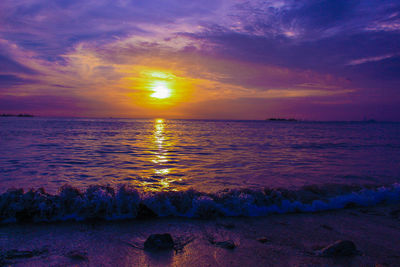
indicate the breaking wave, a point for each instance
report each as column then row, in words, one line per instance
column 107, row 203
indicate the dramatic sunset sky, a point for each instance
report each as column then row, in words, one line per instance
column 212, row 59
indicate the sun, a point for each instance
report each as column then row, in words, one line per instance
column 160, row 90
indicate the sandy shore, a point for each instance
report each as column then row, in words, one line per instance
column 289, row 240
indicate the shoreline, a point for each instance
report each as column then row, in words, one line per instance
column 106, row 203
column 287, row 240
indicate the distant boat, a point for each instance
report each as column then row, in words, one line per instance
column 280, row 119
column 17, row 115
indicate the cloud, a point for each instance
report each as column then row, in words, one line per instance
column 100, row 51
column 9, row 80
column 9, row 65
column 52, row 29
column 369, row 59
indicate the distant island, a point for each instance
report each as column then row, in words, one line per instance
column 17, row 115
column 280, row 119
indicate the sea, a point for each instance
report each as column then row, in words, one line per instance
column 72, row 168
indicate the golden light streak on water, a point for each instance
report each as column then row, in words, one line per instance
column 160, row 159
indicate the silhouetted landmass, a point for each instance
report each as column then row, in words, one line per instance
column 280, row 119
column 17, row 115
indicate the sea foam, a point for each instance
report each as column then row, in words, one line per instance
column 107, row 203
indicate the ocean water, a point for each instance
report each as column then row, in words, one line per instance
column 227, row 165
column 205, row 155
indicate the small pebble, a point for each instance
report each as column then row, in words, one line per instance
column 339, row 248
column 228, row 244
column 159, row 242
column 263, row 239
column 77, row 255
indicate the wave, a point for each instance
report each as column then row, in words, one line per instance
column 107, row 203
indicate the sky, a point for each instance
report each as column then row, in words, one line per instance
column 219, row 59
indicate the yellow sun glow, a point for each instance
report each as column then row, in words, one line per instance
column 161, row 90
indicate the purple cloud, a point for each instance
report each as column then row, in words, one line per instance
column 347, row 49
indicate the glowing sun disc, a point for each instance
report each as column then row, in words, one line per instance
column 161, row 91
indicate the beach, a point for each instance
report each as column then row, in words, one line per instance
column 90, row 192
column 293, row 239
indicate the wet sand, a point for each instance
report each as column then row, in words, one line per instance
column 288, row 240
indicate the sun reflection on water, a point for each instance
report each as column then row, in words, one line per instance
column 161, row 171
column 160, row 158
